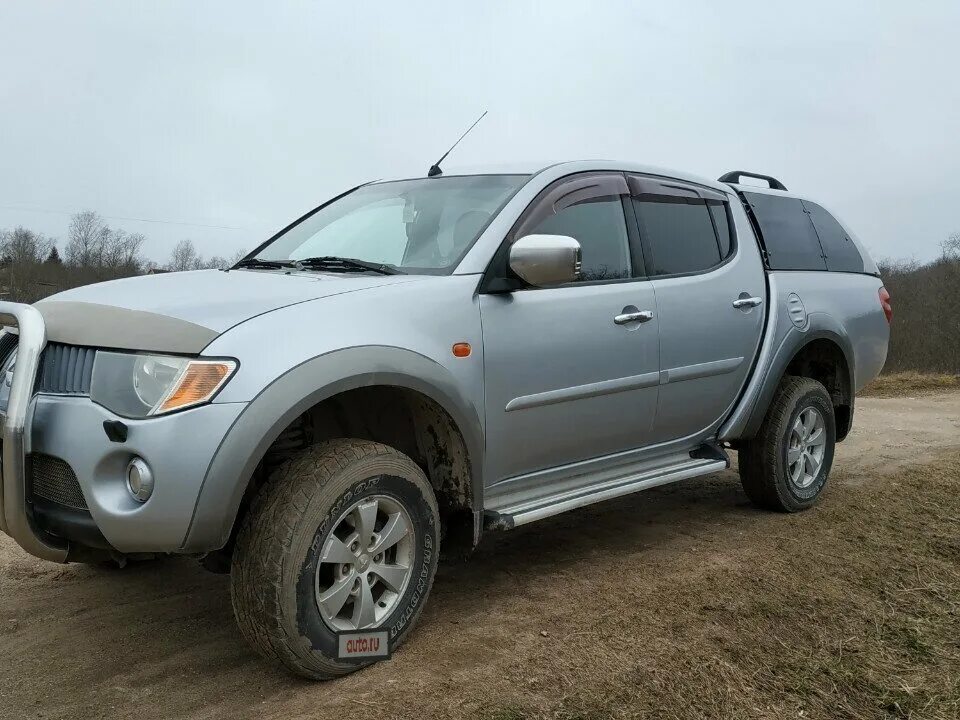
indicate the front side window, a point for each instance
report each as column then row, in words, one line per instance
column 680, row 234
column 424, row 225
column 599, row 226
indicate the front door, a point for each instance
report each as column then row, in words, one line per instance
column 568, row 376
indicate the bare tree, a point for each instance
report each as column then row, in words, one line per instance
column 85, row 238
column 23, row 252
column 24, row 247
column 131, row 257
column 950, row 248
column 184, row 257
column 32, row 266
column 94, row 245
column 120, row 251
column 925, row 334
column 216, row 262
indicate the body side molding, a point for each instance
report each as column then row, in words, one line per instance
column 632, row 382
column 580, row 392
column 700, row 370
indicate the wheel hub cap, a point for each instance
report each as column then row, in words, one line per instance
column 805, row 449
column 365, row 564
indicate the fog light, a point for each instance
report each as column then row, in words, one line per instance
column 139, row 479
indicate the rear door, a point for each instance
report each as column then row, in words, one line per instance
column 710, row 293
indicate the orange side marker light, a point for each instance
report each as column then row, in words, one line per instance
column 461, row 349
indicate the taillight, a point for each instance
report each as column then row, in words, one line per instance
column 885, row 304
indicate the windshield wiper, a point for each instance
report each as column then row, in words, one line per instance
column 261, row 263
column 345, row 264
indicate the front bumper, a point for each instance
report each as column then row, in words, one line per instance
column 178, row 447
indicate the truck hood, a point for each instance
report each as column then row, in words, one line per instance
column 183, row 312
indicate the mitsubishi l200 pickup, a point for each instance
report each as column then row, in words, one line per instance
column 418, row 361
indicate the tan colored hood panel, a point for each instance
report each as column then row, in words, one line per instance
column 92, row 324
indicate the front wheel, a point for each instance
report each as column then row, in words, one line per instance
column 343, row 537
column 785, row 467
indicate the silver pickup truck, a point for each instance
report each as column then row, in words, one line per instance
column 418, row 361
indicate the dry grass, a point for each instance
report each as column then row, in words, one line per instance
column 851, row 610
column 904, row 384
column 679, row 602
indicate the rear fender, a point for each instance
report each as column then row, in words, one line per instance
column 746, row 420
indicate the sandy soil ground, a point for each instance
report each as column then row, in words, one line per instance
column 157, row 640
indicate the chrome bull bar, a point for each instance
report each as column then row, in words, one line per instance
column 14, row 520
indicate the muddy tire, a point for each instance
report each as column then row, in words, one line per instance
column 786, row 466
column 344, row 535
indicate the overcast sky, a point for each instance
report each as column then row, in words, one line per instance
column 245, row 115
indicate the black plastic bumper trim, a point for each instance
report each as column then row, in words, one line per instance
column 68, row 523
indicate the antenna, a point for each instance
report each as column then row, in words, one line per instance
column 435, row 168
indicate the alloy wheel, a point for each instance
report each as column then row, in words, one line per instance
column 365, row 564
column 807, row 444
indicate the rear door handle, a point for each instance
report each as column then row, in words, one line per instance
column 638, row 316
column 746, row 302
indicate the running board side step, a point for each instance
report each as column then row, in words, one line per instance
column 709, row 461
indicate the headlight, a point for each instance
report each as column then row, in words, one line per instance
column 142, row 385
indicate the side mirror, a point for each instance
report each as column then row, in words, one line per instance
column 546, row 259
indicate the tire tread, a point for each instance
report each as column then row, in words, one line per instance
column 267, row 534
column 758, row 459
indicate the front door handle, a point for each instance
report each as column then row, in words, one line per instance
column 747, row 302
column 638, row 316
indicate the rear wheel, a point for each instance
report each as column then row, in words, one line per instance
column 343, row 537
column 786, row 466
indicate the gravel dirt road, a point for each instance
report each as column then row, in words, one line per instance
column 513, row 626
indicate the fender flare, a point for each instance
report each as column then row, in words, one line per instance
column 822, row 326
column 299, row 389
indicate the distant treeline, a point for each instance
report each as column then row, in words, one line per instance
column 926, row 297
column 32, row 266
column 925, row 334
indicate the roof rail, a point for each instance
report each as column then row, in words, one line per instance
column 734, row 177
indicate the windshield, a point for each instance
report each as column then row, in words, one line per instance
column 423, row 225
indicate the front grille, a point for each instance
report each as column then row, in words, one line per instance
column 53, row 479
column 66, row 369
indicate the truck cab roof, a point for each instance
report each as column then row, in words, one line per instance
column 572, row 166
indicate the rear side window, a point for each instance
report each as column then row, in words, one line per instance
column 788, row 233
column 719, row 213
column 680, row 235
column 841, row 252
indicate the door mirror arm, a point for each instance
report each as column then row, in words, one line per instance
column 504, row 285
